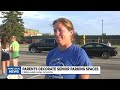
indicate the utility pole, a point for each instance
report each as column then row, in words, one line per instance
column 84, row 37
column 102, row 31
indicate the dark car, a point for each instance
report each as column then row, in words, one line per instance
column 99, row 50
column 43, row 45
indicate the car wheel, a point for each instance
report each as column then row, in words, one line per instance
column 39, row 51
column 33, row 50
column 105, row 55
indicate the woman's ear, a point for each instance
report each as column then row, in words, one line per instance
column 72, row 32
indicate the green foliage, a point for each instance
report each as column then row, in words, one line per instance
column 13, row 24
column 77, row 39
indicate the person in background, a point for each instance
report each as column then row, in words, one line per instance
column 67, row 53
column 5, row 54
column 14, row 51
column 109, row 44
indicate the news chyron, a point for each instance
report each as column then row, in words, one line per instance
column 53, row 70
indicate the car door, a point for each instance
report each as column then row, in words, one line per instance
column 42, row 44
column 98, row 49
column 89, row 48
column 50, row 44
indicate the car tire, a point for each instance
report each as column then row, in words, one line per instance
column 39, row 51
column 33, row 50
column 105, row 55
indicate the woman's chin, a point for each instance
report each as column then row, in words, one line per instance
column 61, row 44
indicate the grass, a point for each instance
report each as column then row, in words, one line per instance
column 118, row 46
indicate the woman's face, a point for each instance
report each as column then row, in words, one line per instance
column 12, row 39
column 62, row 35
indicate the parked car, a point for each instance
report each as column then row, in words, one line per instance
column 23, row 42
column 43, row 45
column 99, row 50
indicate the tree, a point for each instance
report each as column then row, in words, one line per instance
column 12, row 24
column 77, row 39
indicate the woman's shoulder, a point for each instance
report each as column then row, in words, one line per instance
column 76, row 47
column 53, row 50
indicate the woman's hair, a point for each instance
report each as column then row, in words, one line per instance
column 13, row 37
column 4, row 42
column 67, row 23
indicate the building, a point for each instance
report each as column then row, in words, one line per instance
column 31, row 32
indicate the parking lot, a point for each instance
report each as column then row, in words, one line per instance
column 110, row 68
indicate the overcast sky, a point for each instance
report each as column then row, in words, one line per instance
column 85, row 22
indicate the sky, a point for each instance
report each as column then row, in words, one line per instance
column 85, row 22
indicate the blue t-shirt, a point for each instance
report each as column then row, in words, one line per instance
column 72, row 56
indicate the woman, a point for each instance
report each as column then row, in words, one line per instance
column 67, row 53
column 5, row 56
column 14, row 48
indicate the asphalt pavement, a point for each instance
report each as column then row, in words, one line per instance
column 110, row 68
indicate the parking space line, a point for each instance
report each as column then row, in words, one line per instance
column 34, row 76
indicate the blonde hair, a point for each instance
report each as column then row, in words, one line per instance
column 13, row 36
column 67, row 23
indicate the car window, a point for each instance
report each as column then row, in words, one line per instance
column 42, row 41
column 89, row 46
column 50, row 41
column 98, row 45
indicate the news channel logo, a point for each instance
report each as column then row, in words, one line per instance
column 13, row 70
